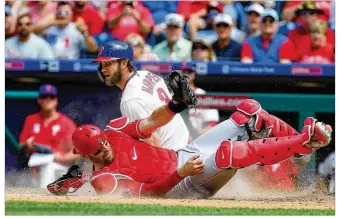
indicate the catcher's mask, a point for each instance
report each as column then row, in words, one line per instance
column 87, row 139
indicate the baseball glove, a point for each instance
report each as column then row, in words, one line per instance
column 74, row 178
column 178, row 83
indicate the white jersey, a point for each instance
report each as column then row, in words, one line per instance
column 144, row 93
column 199, row 118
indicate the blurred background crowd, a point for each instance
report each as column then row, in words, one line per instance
column 258, row 31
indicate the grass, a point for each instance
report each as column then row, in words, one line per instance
column 63, row 208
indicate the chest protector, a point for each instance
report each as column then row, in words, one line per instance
column 138, row 160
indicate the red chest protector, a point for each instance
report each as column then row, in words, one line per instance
column 138, row 160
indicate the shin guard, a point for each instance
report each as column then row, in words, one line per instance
column 262, row 151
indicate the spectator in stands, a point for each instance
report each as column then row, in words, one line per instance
column 49, row 130
column 254, row 12
column 141, row 51
column 159, row 10
column 291, row 8
column 225, row 48
column 204, row 20
column 300, row 36
column 26, row 44
column 200, row 120
column 202, row 51
column 319, row 52
column 9, row 23
column 128, row 17
column 269, row 47
column 67, row 39
column 87, row 15
column 175, row 47
column 43, row 13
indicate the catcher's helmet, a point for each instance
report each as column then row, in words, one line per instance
column 87, row 139
column 114, row 50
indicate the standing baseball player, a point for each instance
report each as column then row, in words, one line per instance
column 143, row 92
column 123, row 164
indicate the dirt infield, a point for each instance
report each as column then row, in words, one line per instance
column 301, row 200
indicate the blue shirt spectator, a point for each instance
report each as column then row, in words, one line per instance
column 225, row 48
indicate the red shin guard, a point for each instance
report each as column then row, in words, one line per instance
column 262, row 151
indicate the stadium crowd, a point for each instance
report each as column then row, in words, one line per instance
column 258, row 31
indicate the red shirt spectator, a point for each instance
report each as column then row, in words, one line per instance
column 319, row 51
column 90, row 15
column 301, row 39
column 129, row 17
column 196, row 8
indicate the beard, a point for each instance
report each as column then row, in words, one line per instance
column 115, row 78
column 23, row 34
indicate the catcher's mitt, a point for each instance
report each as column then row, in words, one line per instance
column 74, row 178
column 178, row 83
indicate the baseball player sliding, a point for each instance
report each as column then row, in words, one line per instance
column 142, row 93
column 126, row 165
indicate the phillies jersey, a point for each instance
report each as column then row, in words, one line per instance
column 57, row 134
column 321, row 55
column 144, row 92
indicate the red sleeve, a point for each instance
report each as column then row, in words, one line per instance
column 287, row 51
column 156, row 189
column 330, row 36
column 70, row 128
column 24, row 134
column 183, row 9
column 146, row 16
column 246, row 51
column 113, row 13
column 105, row 182
column 122, row 124
column 97, row 24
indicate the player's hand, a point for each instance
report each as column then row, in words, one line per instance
column 192, row 167
column 29, row 145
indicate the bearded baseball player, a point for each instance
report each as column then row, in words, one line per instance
column 125, row 165
column 142, row 93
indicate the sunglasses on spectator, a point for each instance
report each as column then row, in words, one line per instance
column 269, row 19
column 63, row 12
column 47, row 96
column 200, row 46
column 308, row 12
column 222, row 25
column 24, row 24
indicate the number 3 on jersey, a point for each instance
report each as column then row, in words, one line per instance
column 162, row 95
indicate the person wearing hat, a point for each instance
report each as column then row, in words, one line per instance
column 254, row 12
column 202, row 51
column 269, row 47
column 142, row 92
column 291, row 9
column 49, row 130
column 175, row 47
column 225, row 48
column 141, row 51
column 301, row 38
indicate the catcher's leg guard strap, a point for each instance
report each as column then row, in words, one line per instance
column 263, row 151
